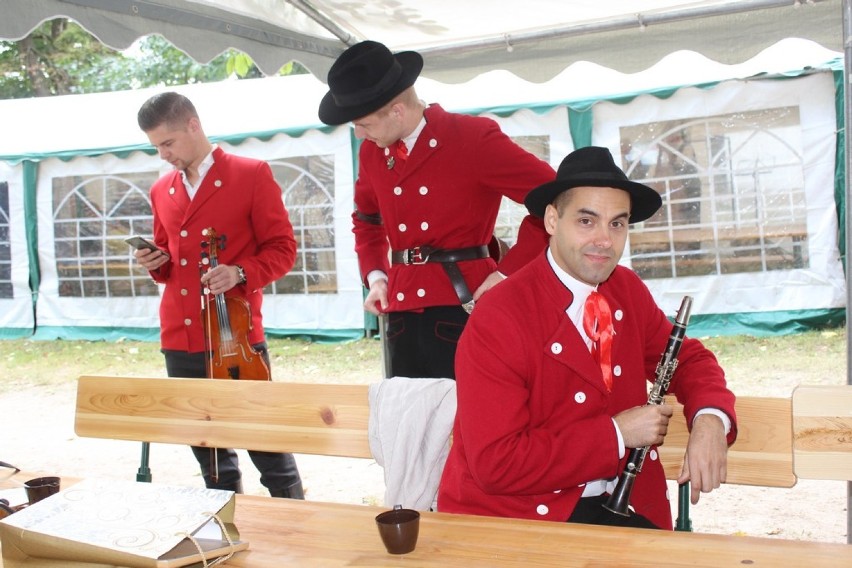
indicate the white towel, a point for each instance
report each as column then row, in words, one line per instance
column 411, row 421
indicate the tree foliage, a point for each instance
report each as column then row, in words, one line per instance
column 59, row 58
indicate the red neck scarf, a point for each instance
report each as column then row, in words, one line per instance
column 401, row 150
column 597, row 323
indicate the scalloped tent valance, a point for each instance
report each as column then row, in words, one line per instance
column 535, row 40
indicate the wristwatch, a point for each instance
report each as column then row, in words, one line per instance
column 241, row 274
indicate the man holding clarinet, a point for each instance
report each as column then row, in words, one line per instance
column 554, row 369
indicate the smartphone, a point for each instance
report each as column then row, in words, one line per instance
column 138, row 242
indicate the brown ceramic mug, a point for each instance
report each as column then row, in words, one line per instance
column 399, row 529
column 40, row 488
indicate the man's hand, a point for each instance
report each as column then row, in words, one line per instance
column 705, row 465
column 493, row 279
column 220, row 279
column 376, row 301
column 644, row 425
column 151, row 259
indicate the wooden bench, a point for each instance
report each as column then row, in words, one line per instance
column 779, row 439
column 321, row 419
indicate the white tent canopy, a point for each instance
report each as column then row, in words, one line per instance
column 536, row 39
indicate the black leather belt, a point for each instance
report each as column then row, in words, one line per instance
column 424, row 254
column 448, row 259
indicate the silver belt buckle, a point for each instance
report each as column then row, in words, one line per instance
column 468, row 306
column 415, row 256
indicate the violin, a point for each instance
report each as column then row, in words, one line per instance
column 227, row 323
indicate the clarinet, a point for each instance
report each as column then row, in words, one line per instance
column 619, row 501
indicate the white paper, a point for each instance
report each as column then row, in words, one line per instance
column 144, row 519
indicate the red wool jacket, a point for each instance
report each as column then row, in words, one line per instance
column 534, row 418
column 240, row 199
column 446, row 195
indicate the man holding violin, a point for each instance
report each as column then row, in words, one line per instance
column 239, row 199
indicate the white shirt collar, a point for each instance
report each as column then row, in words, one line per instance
column 580, row 290
column 411, row 139
column 203, row 168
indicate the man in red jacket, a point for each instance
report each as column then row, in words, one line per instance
column 543, row 429
column 429, row 187
column 239, row 198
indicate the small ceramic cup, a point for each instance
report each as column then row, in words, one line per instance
column 399, row 529
column 41, row 488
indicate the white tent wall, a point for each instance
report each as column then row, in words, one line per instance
column 16, row 312
column 820, row 285
column 68, row 316
column 315, row 314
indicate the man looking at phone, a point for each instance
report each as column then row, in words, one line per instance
column 240, row 199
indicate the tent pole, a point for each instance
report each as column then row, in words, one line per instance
column 847, row 124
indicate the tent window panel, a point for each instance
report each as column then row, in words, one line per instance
column 5, row 243
column 307, row 186
column 67, row 271
column 118, row 289
column 119, row 270
column 91, row 218
column 733, row 194
column 69, row 288
column 511, row 214
column 322, row 283
column 290, row 284
column 94, row 288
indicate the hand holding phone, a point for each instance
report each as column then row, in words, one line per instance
column 139, row 243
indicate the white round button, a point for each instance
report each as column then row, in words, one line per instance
column 616, row 370
column 218, row 183
column 187, row 321
column 433, row 143
column 542, row 510
column 618, row 315
column 171, row 191
column 653, row 455
column 556, row 348
column 183, row 262
column 424, row 226
column 400, row 296
column 421, row 292
column 184, row 291
column 402, row 227
column 580, row 397
column 387, row 151
column 184, row 233
column 397, row 190
column 424, row 190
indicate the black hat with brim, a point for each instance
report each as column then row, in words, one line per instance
column 365, row 78
column 593, row 166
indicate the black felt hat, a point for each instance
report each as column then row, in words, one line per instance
column 593, row 166
column 364, row 79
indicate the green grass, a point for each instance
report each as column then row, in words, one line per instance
column 754, row 365
column 25, row 363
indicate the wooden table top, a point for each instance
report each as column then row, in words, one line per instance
column 282, row 532
column 307, row 534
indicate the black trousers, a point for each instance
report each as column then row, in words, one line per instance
column 590, row 510
column 423, row 344
column 278, row 471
